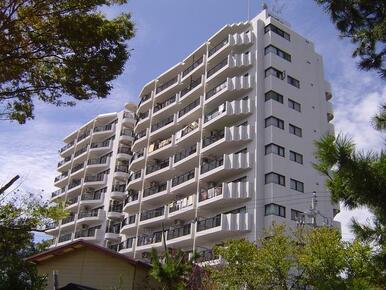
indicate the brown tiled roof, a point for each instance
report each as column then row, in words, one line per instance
column 73, row 246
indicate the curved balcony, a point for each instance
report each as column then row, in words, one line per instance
column 126, row 246
column 121, row 172
column 77, row 170
column 131, row 202
column 146, row 99
column 126, row 136
column 227, row 140
column 228, row 90
column 80, row 154
column 64, row 238
column 135, row 180
column 161, row 108
column 124, row 153
column 82, row 138
column 224, row 195
column 72, row 203
column 52, row 229
column 190, row 112
column 213, row 169
column 115, row 211
column 91, row 216
column 128, row 119
column 227, row 113
column 195, row 66
column 165, row 86
column 118, row 191
column 129, row 225
column 222, row 226
column 186, row 182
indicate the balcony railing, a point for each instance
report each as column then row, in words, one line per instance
column 211, row 164
column 215, row 90
column 119, row 187
column 62, row 176
column 80, row 151
column 164, row 104
column 218, row 47
column 100, row 144
column 167, row 84
column 86, row 233
column 65, row 160
column 185, row 153
column 94, row 178
column 189, row 107
column 68, row 219
column 162, row 123
column 213, row 114
column 129, row 220
column 142, row 116
column 77, row 167
column 191, row 86
column 145, row 98
column 209, row 223
column 86, row 214
column 122, row 168
column 91, row 195
column 74, row 183
column 149, row 214
column 206, row 255
column 71, row 201
column 140, row 134
column 58, row 192
column 159, row 144
column 67, row 146
column 65, row 238
column 147, row 240
column 189, row 128
column 192, row 67
column 154, row 189
column 157, row 166
column 127, row 132
column 128, row 244
column 96, row 161
column 132, row 196
column 103, row 128
column 135, row 175
column 178, row 232
column 183, row 178
column 116, row 207
column 84, row 136
column 125, row 150
column 213, row 138
column 217, row 67
column 180, row 204
column 113, row 229
column 206, row 194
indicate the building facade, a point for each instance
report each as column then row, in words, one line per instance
column 93, row 177
column 224, row 142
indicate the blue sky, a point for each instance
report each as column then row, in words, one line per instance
column 166, row 32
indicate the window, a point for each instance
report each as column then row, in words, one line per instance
column 295, row 130
column 273, row 121
column 272, row 95
column 271, row 71
column 297, row 185
column 277, row 30
column 273, row 177
column 296, row 157
column 274, row 149
column 294, row 105
column 297, row 215
column 293, row 81
column 238, row 210
column 274, row 209
column 277, row 51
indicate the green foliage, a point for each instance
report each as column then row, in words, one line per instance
column 316, row 258
column 58, row 51
column 170, row 270
column 20, row 217
column 364, row 22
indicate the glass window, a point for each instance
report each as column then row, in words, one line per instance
column 274, row 149
column 271, row 71
column 277, row 51
column 297, row 215
column 297, row 185
column 273, row 121
column 294, row 105
column 293, row 81
column 277, row 30
column 295, row 130
column 273, row 177
column 296, row 157
column 272, row 95
column 274, row 209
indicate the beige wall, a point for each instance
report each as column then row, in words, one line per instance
column 90, row 268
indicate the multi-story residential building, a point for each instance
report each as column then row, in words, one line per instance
column 93, row 177
column 225, row 139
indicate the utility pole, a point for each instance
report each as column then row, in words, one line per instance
column 314, row 211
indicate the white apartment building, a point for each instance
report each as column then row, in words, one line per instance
column 224, row 142
column 94, row 173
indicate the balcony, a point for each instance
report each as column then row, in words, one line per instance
column 131, row 201
column 100, row 146
column 83, row 136
column 180, row 236
column 182, row 208
column 166, row 84
column 90, row 216
column 59, row 179
column 89, row 234
column 161, row 148
column 135, row 180
column 66, row 147
column 77, row 169
column 92, row 198
column 121, row 171
column 71, row 202
column 152, row 216
column 208, row 257
column 126, row 246
column 212, row 51
column 126, row 136
column 159, row 107
column 158, row 170
column 217, row 67
column 118, row 191
column 227, row 113
column 95, row 179
column 74, row 185
column 188, row 134
column 80, row 152
column 183, row 114
column 65, row 161
column 58, row 192
column 213, row 169
column 103, row 129
column 222, row 226
column 115, row 210
column 185, row 182
column 139, row 140
column 65, row 238
column 228, row 90
column 164, row 127
column 226, row 140
column 146, row 242
column 226, row 194
column 69, row 219
column 137, row 161
column 142, row 120
column 192, row 67
column 113, row 232
column 155, row 192
column 128, row 225
column 193, row 85
column 128, row 119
